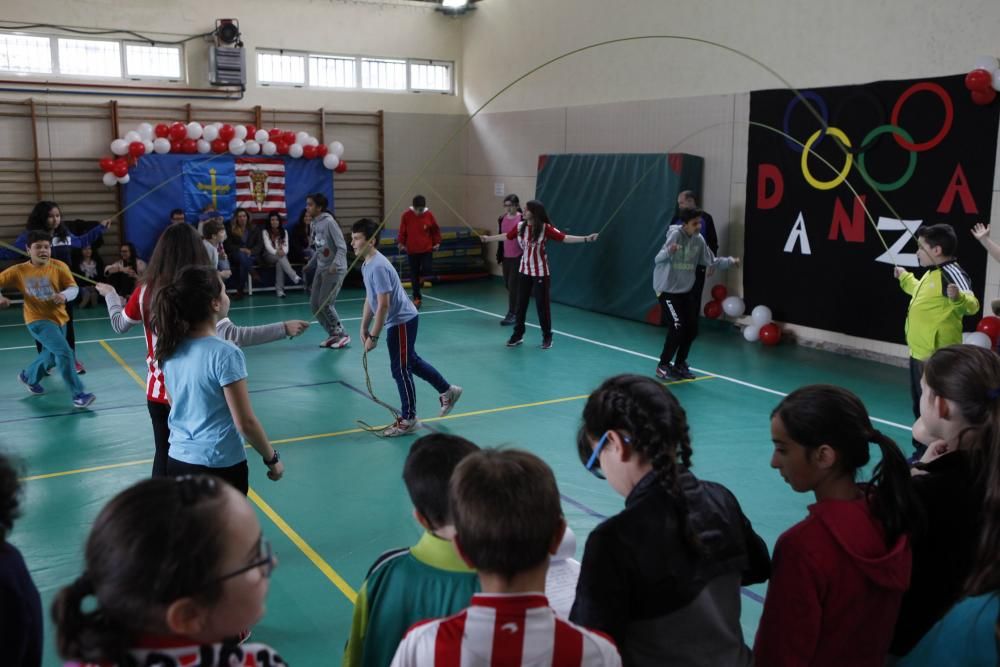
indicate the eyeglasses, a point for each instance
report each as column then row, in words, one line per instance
column 593, row 462
column 265, row 560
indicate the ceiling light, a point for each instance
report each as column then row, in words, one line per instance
column 454, row 4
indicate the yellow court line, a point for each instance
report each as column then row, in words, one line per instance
column 121, row 362
column 304, row 547
column 80, row 471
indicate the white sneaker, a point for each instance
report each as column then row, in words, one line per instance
column 343, row 341
column 400, row 427
column 449, row 398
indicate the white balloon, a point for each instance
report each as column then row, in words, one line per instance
column 301, row 138
column 988, row 63
column 295, row 150
column 336, row 148
column 161, row 145
column 269, row 148
column 148, row 145
column 145, row 131
column 996, row 80
column 132, row 136
column 210, row 133
column 733, row 306
column 237, row 146
column 979, row 339
column 761, row 315
column 194, row 130
column 330, row 161
column 261, row 136
column 313, row 141
column 123, row 180
column 109, row 179
column 217, row 124
column 252, row 147
column 119, row 147
column 241, row 132
column 751, row 333
column 204, row 146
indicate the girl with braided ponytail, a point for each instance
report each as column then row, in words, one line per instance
column 956, row 575
column 663, row 576
column 174, row 570
column 206, row 381
column 839, row 575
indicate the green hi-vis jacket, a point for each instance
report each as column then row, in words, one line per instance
column 933, row 320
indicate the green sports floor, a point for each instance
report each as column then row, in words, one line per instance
column 342, row 501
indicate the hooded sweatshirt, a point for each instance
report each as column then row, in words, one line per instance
column 835, row 590
column 418, row 232
column 328, row 239
column 674, row 273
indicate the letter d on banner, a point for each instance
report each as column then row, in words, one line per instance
column 769, row 173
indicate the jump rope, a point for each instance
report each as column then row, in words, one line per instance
column 807, row 151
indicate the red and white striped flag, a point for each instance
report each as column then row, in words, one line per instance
column 260, row 185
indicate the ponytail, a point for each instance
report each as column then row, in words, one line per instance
column 86, row 636
column 890, row 492
column 181, row 305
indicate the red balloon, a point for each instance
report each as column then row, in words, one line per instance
column 120, row 162
column 991, row 327
column 274, row 134
column 321, row 150
column 251, row 130
column 107, row 163
column 162, row 130
column 120, row 170
column 712, row 309
column 719, row 292
column 979, row 80
column 220, row 146
column 309, row 152
column 342, row 167
column 770, row 334
column 226, row 133
column 984, row 97
column 282, row 148
column 176, row 146
column 136, row 149
column 189, row 146
column 178, row 131
column 288, row 137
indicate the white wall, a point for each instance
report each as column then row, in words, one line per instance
column 394, row 29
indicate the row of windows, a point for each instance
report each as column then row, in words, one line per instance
column 34, row 54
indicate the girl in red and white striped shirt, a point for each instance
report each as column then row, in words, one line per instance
column 533, row 274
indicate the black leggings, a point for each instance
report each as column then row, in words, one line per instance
column 680, row 314
column 159, row 413
column 539, row 286
column 420, row 266
column 237, row 475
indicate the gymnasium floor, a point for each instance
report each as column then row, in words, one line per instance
column 342, row 501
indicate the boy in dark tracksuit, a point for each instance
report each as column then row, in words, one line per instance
column 674, row 273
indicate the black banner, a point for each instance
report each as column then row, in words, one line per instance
column 921, row 152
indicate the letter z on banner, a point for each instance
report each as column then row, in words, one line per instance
column 260, row 185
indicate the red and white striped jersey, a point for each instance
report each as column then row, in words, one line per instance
column 136, row 311
column 534, row 261
column 504, row 631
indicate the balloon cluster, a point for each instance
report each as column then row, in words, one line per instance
column 218, row 138
column 762, row 327
column 983, row 81
column 987, row 333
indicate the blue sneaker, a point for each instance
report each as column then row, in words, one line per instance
column 35, row 389
column 83, row 400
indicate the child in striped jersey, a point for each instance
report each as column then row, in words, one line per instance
column 508, row 521
column 533, row 274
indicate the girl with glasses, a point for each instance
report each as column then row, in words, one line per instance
column 662, row 577
column 175, row 569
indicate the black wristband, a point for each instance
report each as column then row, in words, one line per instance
column 274, row 459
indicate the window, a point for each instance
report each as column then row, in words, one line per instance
column 25, row 53
column 281, row 68
column 90, row 57
column 430, row 75
column 333, row 72
column 151, row 61
column 383, row 74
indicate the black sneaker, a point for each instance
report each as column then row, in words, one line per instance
column 514, row 341
column 508, row 320
column 683, row 371
column 547, row 344
column 668, row 373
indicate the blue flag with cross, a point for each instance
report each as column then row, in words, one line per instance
column 209, row 184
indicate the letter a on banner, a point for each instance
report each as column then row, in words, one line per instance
column 798, row 234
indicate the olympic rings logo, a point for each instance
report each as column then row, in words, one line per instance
column 903, row 138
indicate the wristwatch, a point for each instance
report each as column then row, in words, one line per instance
column 274, row 459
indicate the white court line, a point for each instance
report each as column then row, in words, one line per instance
column 112, row 339
column 270, row 305
column 758, row 387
